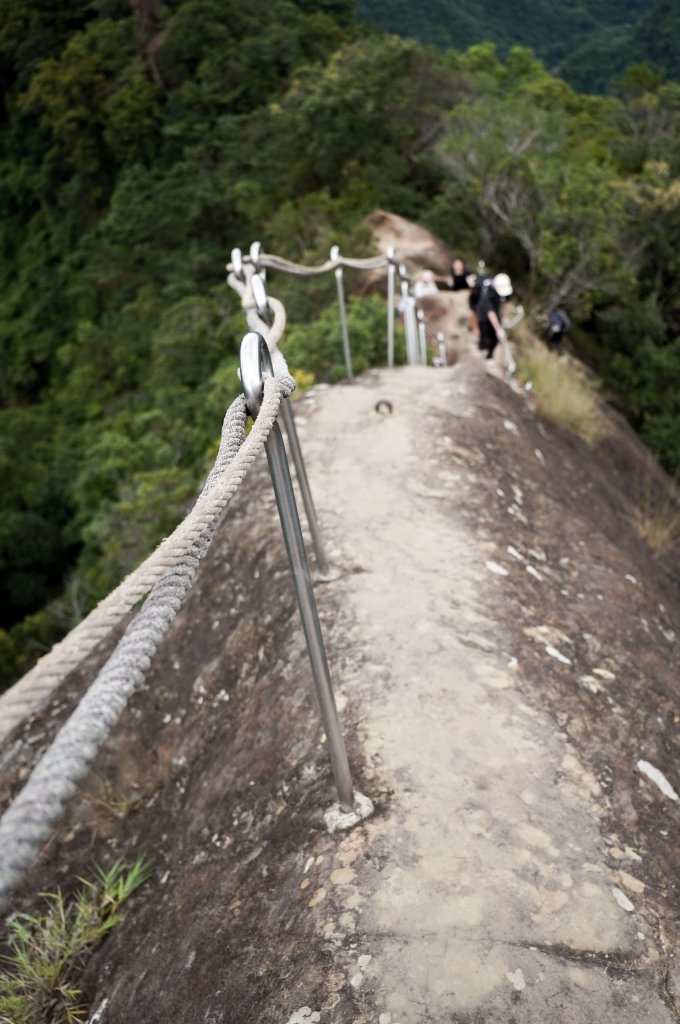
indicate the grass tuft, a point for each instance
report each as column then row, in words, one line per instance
column 656, row 515
column 565, row 395
column 48, row 951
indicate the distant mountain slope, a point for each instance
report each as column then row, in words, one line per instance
column 588, row 42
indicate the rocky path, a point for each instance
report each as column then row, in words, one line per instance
column 517, row 868
column 480, row 891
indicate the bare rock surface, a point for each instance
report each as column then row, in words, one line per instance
column 504, row 652
column 418, row 247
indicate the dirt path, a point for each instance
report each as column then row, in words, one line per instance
column 517, row 868
column 481, row 891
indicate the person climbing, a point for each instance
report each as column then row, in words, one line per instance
column 558, row 325
column 460, row 279
column 488, row 312
column 478, row 282
column 425, row 285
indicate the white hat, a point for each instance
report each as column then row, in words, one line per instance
column 502, row 285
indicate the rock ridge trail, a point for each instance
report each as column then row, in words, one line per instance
column 503, row 651
column 482, row 892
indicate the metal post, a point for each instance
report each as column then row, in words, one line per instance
column 391, row 275
column 422, row 336
column 266, row 314
column 412, row 329
column 441, row 344
column 405, row 314
column 254, row 359
column 335, row 253
column 307, row 500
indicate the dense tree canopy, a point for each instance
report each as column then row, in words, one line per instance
column 140, row 143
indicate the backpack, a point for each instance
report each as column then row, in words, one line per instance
column 559, row 321
column 482, row 284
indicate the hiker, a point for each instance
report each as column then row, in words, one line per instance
column 558, row 325
column 460, row 279
column 478, row 282
column 492, row 295
column 425, row 285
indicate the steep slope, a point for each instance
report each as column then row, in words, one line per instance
column 503, row 648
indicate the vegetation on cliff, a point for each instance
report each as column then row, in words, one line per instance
column 139, row 144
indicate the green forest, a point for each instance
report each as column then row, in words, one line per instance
column 589, row 43
column 141, row 142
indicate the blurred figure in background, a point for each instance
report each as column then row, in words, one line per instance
column 425, row 285
column 558, row 325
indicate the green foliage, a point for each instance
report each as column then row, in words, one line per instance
column 590, row 42
column 49, row 951
column 650, row 378
column 140, row 144
column 319, row 344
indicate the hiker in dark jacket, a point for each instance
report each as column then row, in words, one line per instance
column 558, row 325
column 461, row 278
column 488, row 312
column 479, row 282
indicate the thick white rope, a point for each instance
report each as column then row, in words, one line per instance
column 272, row 262
column 171, row 569
column 33, row 688
column 29, row 819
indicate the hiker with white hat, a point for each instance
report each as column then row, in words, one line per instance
column 488, row 313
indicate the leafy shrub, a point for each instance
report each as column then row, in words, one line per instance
column 317, row 347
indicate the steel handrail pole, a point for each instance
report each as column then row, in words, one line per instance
column 254, row 360
column 441, row 344
column 288, row 418
column 413, row 328
column 391, row 276
column 422, row 336
column 266, row 314
column 404, row 312
column 335, row 254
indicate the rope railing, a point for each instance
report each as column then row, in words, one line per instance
column 271, row 262
column 29, row 819
column 412, row 314
column 167, row 575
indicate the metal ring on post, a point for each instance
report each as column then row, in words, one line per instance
column 237, row 264
column 255, row 253
column 255, row 250
column 255, row 360
column 264, row 310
